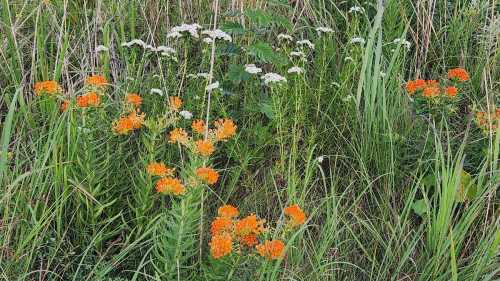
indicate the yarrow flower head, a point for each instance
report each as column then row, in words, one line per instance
column 49, row 87
column 306, row 43
column 273, row 78
column 159, row 169
column 217, row 34
column 356, row 9
column 101, row 48
column 133, row 99
column 208, row 175
column 186, row 114
column 225, row 129
column 357, row 40
column 458, row 74
column 90, row 99
column 156, row 91
column 325, row 30
column 213, row 86
column 285, row 37
column 170, row 185
column 403, row 42
column 252, row 69
column 271, row 249
column 296, row 69
column 192, row 29
column 133, row 42
column 296, row 215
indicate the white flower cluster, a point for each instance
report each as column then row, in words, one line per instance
column 403, row 42
column 272, row 78
column 356, row 9
column 252, row 69
column 212, row 86
column 321, row 30
column 164, row 50
column 358, row 40
column 305, row 42
column 157, row 91
column 192, row 29
column 296, row 69
column 101, row 48
column 186, row 114
column 285, row 37
column 216, row 34
column 297, row 54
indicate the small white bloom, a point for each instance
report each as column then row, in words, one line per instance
column 213, row 86
column 157, row 91
column 208, row 40
column 101, row 48
column 382, row 74
column 296, row 69
column 356, row 9
column 286, row 37
column 324, row 30
column 359, row 40
column 174, row 35
column 272, row 78
column 133, row 42
column 186, row 114
column 348, row 59
column 217, row 34
column 348, row 98
column 403, row 42
column 192, row 29
column 203, row 75
column 306, row 42
column 320, row 159
column 252, row 69
column 197, row 97
column 165, row 50
column 297, row 54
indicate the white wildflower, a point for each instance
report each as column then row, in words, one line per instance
column 252, row 69
column 296, row 69
column 382, row 74
column 403, row 42
column 157, row 91
column 165, row 50
column 186, row 114
column 324, row 30
column 192, row 29
column 348, row 59
column 203, row 75
column 359, row 40
column 356, row 9
column 285, row 37
column 101, row 48
column 133, row 42
column 320, row 159
column 305, row 42
column 348, row 98
column 208, row 40
column 213, row 86
column 174, row 35
column 297, row 54
column 217, row 34
column 272, row 78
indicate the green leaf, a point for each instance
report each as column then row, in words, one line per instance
column 263, row 52
column 419, row 207
column 267, row 109
column 237, row 74
column 233, row 28
column 467, row 190
column 228, row 49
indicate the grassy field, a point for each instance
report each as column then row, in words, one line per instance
column 249, row 140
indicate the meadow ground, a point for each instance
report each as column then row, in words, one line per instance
column 249, row 140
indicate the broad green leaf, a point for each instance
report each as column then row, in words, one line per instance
column 237, row 74
column 420, row 207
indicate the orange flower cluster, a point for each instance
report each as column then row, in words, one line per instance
column 198, row 126
column 207, row 175
column 90, row 99
column 204, row 147
column 178, row 135
column 169, row 185
column 415, row 85
column 271, row 249
column 96, row 81
column 129, row 123
column 64, row 105
column 458, row 74
column 133, row 99
column 159, row 169
column 488, row 120
column 296, row 215
column 48, row 87
column 175, row 103
column 227, row 229
column 225, row 129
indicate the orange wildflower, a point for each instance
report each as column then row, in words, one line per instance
column 413, row 86
column 249, row 240
column 204, row 147
column 208, row 175
column 451, row 91
column 133, row 99
column 178, row 135
column 221, row 245
column 221, row 225
column 136, row 119
column 170, row 185
column 198, row 126
column 249, row 225
column 49, row 87
column 123, row 126
column 431, row 92
column 159, row 169
column 459, row 74
column 432, row 83
column 228, row 211
column 271, row 249
column 90, row 99
column 64, row 105
column 297, row 216
column 96, row 80
column 175, row 102
column 225, row 129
